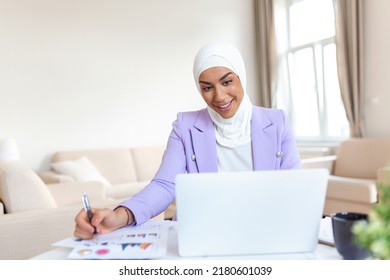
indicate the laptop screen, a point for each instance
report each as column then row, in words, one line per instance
column 241, row 213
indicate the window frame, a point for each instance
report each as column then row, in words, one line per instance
column 322, row 107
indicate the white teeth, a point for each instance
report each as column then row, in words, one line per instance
column 224, row 106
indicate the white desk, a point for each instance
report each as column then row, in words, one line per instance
column 323, row 252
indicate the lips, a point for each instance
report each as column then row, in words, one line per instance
column 224, row 106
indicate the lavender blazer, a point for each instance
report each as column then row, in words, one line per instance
column 192, row 148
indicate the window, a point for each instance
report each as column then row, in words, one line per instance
column 308, row 88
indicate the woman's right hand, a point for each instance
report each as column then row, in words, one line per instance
column 105, row 220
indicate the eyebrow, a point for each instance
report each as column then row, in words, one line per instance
column 223, row 77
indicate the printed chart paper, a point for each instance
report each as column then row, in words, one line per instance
column 147, row 241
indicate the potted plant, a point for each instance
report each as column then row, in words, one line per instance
column 374, row 234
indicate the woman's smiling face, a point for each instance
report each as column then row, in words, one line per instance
column 222, row 90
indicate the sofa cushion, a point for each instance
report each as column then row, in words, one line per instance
column 51, row 177
column 352, row 189
column 21, row 189
column 71, row 192
column 361, row 157
column 81, row 170
column 126, row 190
column 148, row 160
column 116, row 165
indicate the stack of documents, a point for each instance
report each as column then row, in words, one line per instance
column 147, row 241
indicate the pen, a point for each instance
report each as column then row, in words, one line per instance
column 87, row 208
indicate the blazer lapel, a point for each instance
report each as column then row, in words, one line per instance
column 204, row 143
column 264, row 141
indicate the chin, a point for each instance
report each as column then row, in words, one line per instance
column 227, row 115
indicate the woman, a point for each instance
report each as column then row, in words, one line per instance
column 229, row 135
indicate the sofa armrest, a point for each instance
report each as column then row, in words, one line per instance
column 319, row 162
column 51, row 177
column 29, row 233
column 1, row 208
column 71, row 192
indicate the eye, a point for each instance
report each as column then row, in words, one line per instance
column 207, row 89
column 227, row 82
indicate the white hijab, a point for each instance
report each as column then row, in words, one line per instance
column 236, row 130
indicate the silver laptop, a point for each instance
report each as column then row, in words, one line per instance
column 250, row 213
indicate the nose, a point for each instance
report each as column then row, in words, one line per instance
column 219, row 94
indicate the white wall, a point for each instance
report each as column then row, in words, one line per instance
column 78, row 74
column 376, row 67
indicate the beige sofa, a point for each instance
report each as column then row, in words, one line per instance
column 126, row 170
column 36, row 211
column 32, row 216
column 359, row 164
